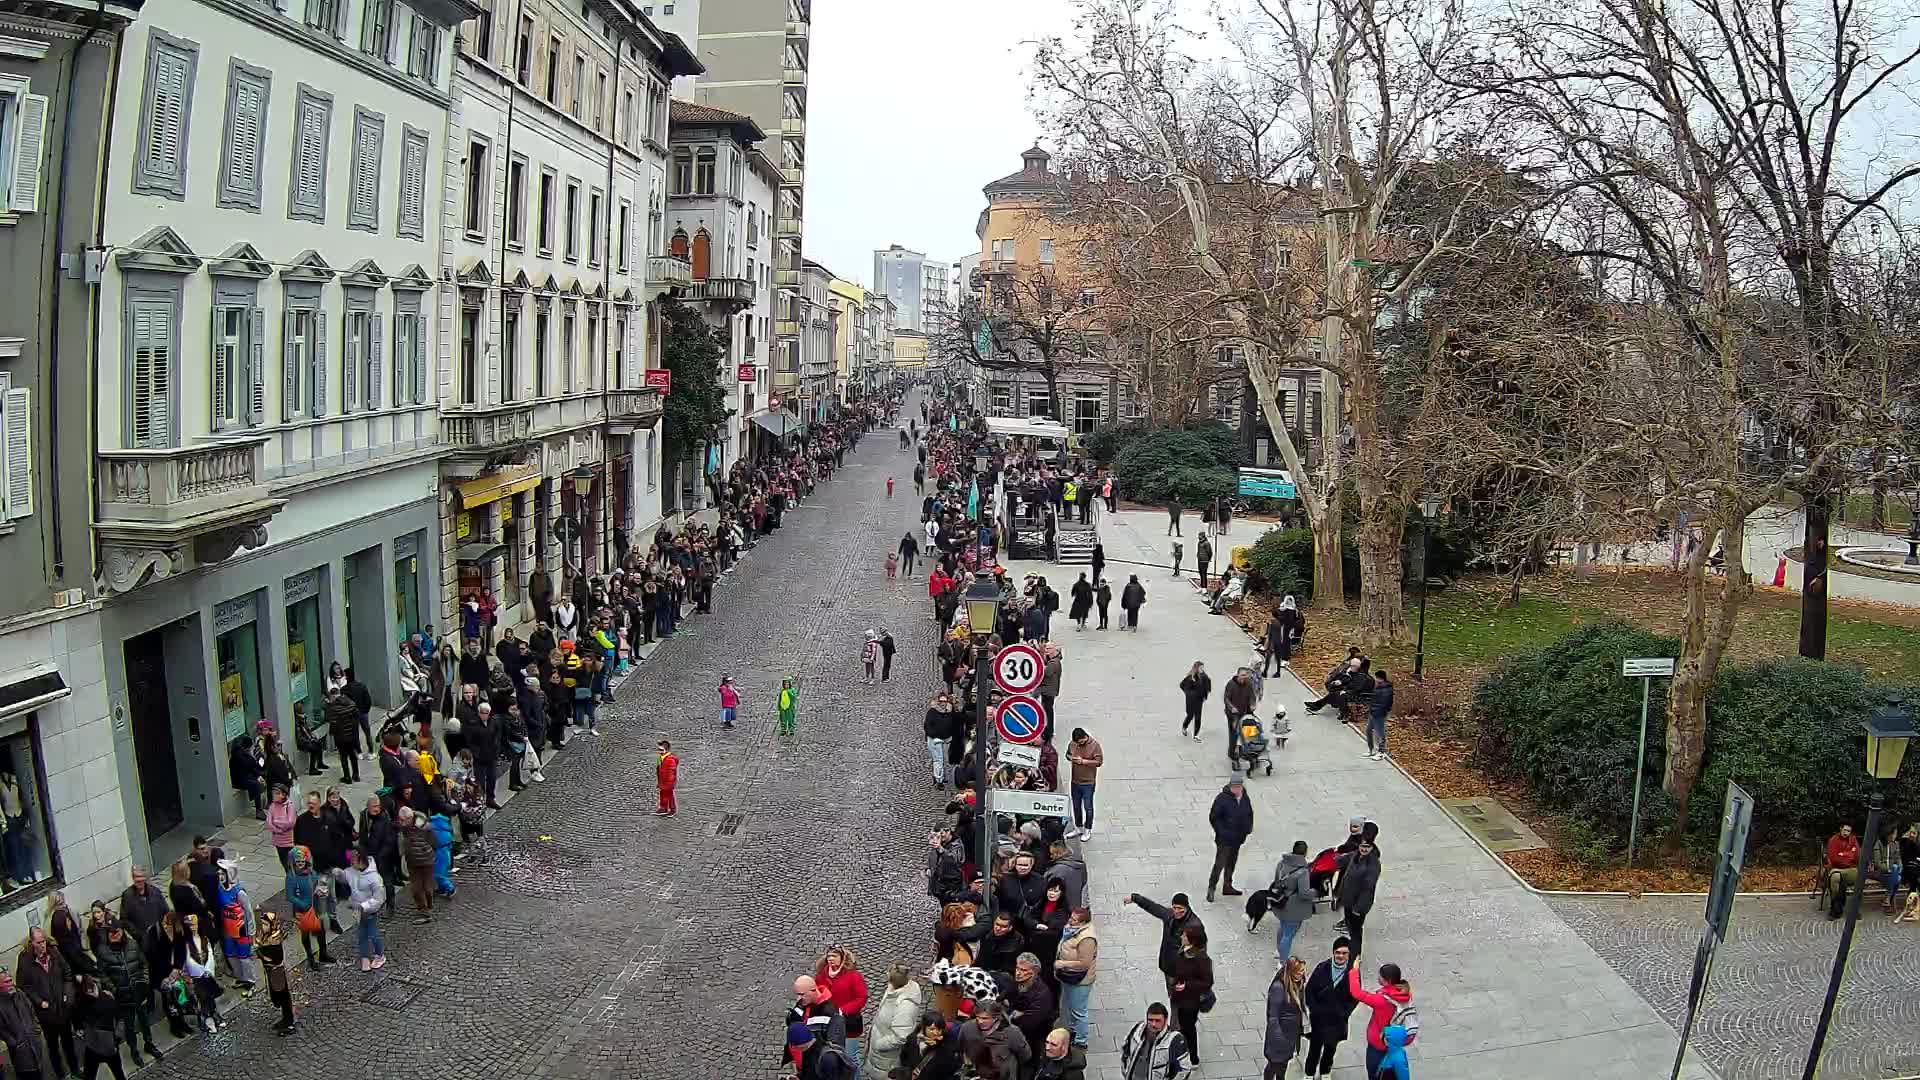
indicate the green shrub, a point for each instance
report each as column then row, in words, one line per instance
column 1106, row 443
column 1156, row 467
column 1788, row 731
column 1282, row 562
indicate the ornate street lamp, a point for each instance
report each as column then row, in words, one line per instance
column 983, row 615
column 1431, row 506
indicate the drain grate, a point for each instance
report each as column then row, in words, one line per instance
column 390, row 993
column 730, row 824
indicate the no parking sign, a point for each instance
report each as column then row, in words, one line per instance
column 1020, row 719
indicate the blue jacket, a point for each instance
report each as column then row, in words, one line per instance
column 1382, row 702
column 1396, row 1056
column 442, row 826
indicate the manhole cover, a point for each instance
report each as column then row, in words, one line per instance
column 730, row 824
column 395, row 994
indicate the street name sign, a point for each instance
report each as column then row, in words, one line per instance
column 1647, row 667
column 1028, row 803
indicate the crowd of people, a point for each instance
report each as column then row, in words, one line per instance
column 1005, row 990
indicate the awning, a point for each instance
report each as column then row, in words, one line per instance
column 484, row 551
column 497, row 486
column 778, row 424
column 30, row 688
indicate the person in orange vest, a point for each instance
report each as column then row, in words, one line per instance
column 667, row 774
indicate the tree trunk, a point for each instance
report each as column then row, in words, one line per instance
column 1324, row 511
column 1329, row 565
column 1818, row 508
column 1711, row 608
column 1382, row 608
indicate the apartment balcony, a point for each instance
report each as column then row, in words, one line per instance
column 729, row 293
column 786, row 226
column 786, row 328
column 792, row 178
column 667, row 274
column 793, row 127
column 171, row 511
column 785, row 380
column 787, row 279
column 795, row 78
column 628, row 410
column 487, row 429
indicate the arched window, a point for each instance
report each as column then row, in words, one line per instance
column 702, row 254
column 677, row 247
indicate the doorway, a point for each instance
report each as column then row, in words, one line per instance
column 152, row 722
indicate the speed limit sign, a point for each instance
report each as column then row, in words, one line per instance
column 1018, row 669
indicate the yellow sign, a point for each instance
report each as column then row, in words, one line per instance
column 463, row 526
column 506, row 511
column 233, row 707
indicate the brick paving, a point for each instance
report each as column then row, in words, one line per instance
column 1769, row 979
column 604, row 941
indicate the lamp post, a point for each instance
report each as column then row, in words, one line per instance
column 1431, row 506
column 1888, row 729
column 983, row 614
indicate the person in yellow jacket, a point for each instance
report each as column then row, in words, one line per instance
column 787, row 702
column 577, row 677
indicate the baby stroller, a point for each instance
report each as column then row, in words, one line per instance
column 1253, row 748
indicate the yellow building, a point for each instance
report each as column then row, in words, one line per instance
column 909, row 351
column 850, row 303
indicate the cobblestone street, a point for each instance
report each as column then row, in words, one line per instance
column 604, row 941
column 1768, row 981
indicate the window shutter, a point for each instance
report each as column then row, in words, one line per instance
column 366, row 174
column 222, row 363
column 372, row 345
column 243, row 172
column 401, row 384
column 413, row 185
column 419, row 360
column 29, row 150
column 257, row 367
column 310, row 153
column 169, row 116
column 289, row 371
column 318, row 377
column 19, row 453
column 151, row 375
column 350, row 359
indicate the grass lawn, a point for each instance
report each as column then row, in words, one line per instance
column 1471, row 629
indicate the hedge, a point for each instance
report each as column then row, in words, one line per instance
column 1566, row 721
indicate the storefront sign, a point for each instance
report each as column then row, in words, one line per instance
column 233, row 707
column 662, row 380
column 296, row 671
column 239, row 611
column 506, row 511
column 303, row 586
column 748, row 374
column 463, row 525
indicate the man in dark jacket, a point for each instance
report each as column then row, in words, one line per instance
column 483, row 738
column 541, row 642
column 1001, row 947
column 393, row 767
column 1031, row 1000
column 124, row 968
column 19, row 1032
column 1359, row 875
column 48, row 983
column 142, row 904
column 326, row 842
column 380, row 839
column 510, row 651
column 473, row 666
column 1238, row 697
column 1378, row 707
column 1174, row 919
column 1232, row 821
column 343, row 723
column 1329, row 1006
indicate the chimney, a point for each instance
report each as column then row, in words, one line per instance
column 1035, row 161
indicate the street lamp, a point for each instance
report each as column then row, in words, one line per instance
column 582, row 481
column 1431, row 506
column 1888, row 729
column 983, row 614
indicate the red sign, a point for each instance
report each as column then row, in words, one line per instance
column 661, row 379
column 748, row 374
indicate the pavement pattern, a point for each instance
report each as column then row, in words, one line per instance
column 1769, row 979
column 604, row 941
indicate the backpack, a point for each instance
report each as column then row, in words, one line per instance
column 835, row 1061
column 1407, row 1017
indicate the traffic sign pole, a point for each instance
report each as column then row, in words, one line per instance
column 1646, row 670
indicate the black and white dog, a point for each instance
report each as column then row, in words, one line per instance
column 1258, row 902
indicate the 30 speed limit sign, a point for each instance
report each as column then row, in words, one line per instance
column 1018, row 669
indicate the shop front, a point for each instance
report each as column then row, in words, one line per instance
column 194, row 662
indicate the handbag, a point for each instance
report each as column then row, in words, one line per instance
column 1208, row 1001
column 308, row 921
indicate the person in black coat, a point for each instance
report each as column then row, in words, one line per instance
column 1082, row 592
column 1232, row 821
column 1174, row 919
column 244, row 768
column 1196, row 688
column 1329, row 1006
column 380, row 839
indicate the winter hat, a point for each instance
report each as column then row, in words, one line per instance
column 1342, row 942
column 799, row 1034
column 1181, row 899
column 1356, row 822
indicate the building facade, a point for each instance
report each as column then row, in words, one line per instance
column 918, row 286
column 818, row 359
column 62, row 770
column 756, row 55
column 552, row 243
column 268, row 431
column 719, row 209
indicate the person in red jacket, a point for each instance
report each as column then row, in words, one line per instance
column 839, row 974
column 1394, row 994
column 667, row 774
column 1843, row 868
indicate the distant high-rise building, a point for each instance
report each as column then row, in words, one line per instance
column 917, row 286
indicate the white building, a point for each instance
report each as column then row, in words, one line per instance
column 719, row 214
column 268, row 424
column 552, row 243
column 917, row 286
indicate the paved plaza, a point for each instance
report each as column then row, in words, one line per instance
column 602, row 941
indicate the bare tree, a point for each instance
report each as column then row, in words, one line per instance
column 1639, row 103
column 1028, row 320
column 1346, row 92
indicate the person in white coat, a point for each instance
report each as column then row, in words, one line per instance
column 894, row 1023
column 366, row 894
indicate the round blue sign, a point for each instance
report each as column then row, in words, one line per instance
column 1020, row 719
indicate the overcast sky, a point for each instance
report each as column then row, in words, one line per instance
column 911, row 107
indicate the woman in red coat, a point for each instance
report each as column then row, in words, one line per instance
column 667, row 774
column 840, row 975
